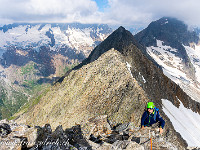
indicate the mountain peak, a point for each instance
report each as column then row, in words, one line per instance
column 166, row 29
column 120, row 39
column 168, row 40
column 121, row 29
column 170, row 20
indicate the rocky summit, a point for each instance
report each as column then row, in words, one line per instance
column 116, row 80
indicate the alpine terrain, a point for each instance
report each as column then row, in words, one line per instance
column 117, row 80
column 32, row 56
column 98, row 104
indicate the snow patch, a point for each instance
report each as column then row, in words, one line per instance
column 129, row 68
column 164, row 56
column 185, row 121
column 142, row 78
column 166, row 22
column 80, row 37
column 173, row 67
column 35, row 36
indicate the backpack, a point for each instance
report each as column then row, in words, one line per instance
column 155, row 113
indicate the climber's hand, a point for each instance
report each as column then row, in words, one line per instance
column 161, row 130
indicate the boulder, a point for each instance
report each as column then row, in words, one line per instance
column 97, row 127
column 4, row 129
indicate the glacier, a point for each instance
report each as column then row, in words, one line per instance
column 76, row 36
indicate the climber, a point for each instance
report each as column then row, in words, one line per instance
column 152, row 116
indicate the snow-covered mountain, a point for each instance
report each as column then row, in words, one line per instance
column 52, row 45
column 176, row 48
column 82, row 37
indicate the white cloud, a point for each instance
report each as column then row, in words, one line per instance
column 144, row 11
column 127, row 12
column 120, row 12
column 49, row 10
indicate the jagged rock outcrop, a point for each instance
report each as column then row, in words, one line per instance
column 102, row 136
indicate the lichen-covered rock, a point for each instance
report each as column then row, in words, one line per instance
column 126, row 145
column 92, row 135
column 10, row 143
column 4, row 129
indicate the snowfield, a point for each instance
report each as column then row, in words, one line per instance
column 173, row 67
column 185, row 121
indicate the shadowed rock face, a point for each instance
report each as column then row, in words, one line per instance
column 120, row 40
column 117, row 80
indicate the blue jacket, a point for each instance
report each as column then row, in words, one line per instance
column 149, row 119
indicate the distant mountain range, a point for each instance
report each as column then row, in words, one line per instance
column 75, row 36
column 33, row 55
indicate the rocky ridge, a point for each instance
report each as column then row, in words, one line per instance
column 99, row 85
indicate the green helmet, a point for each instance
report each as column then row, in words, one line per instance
column 150, row 105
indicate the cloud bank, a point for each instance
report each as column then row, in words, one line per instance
column 49, row 11
column 144, row 11
column 118, row 12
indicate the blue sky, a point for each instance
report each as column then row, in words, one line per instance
column 111, row 12
column 102, row 5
